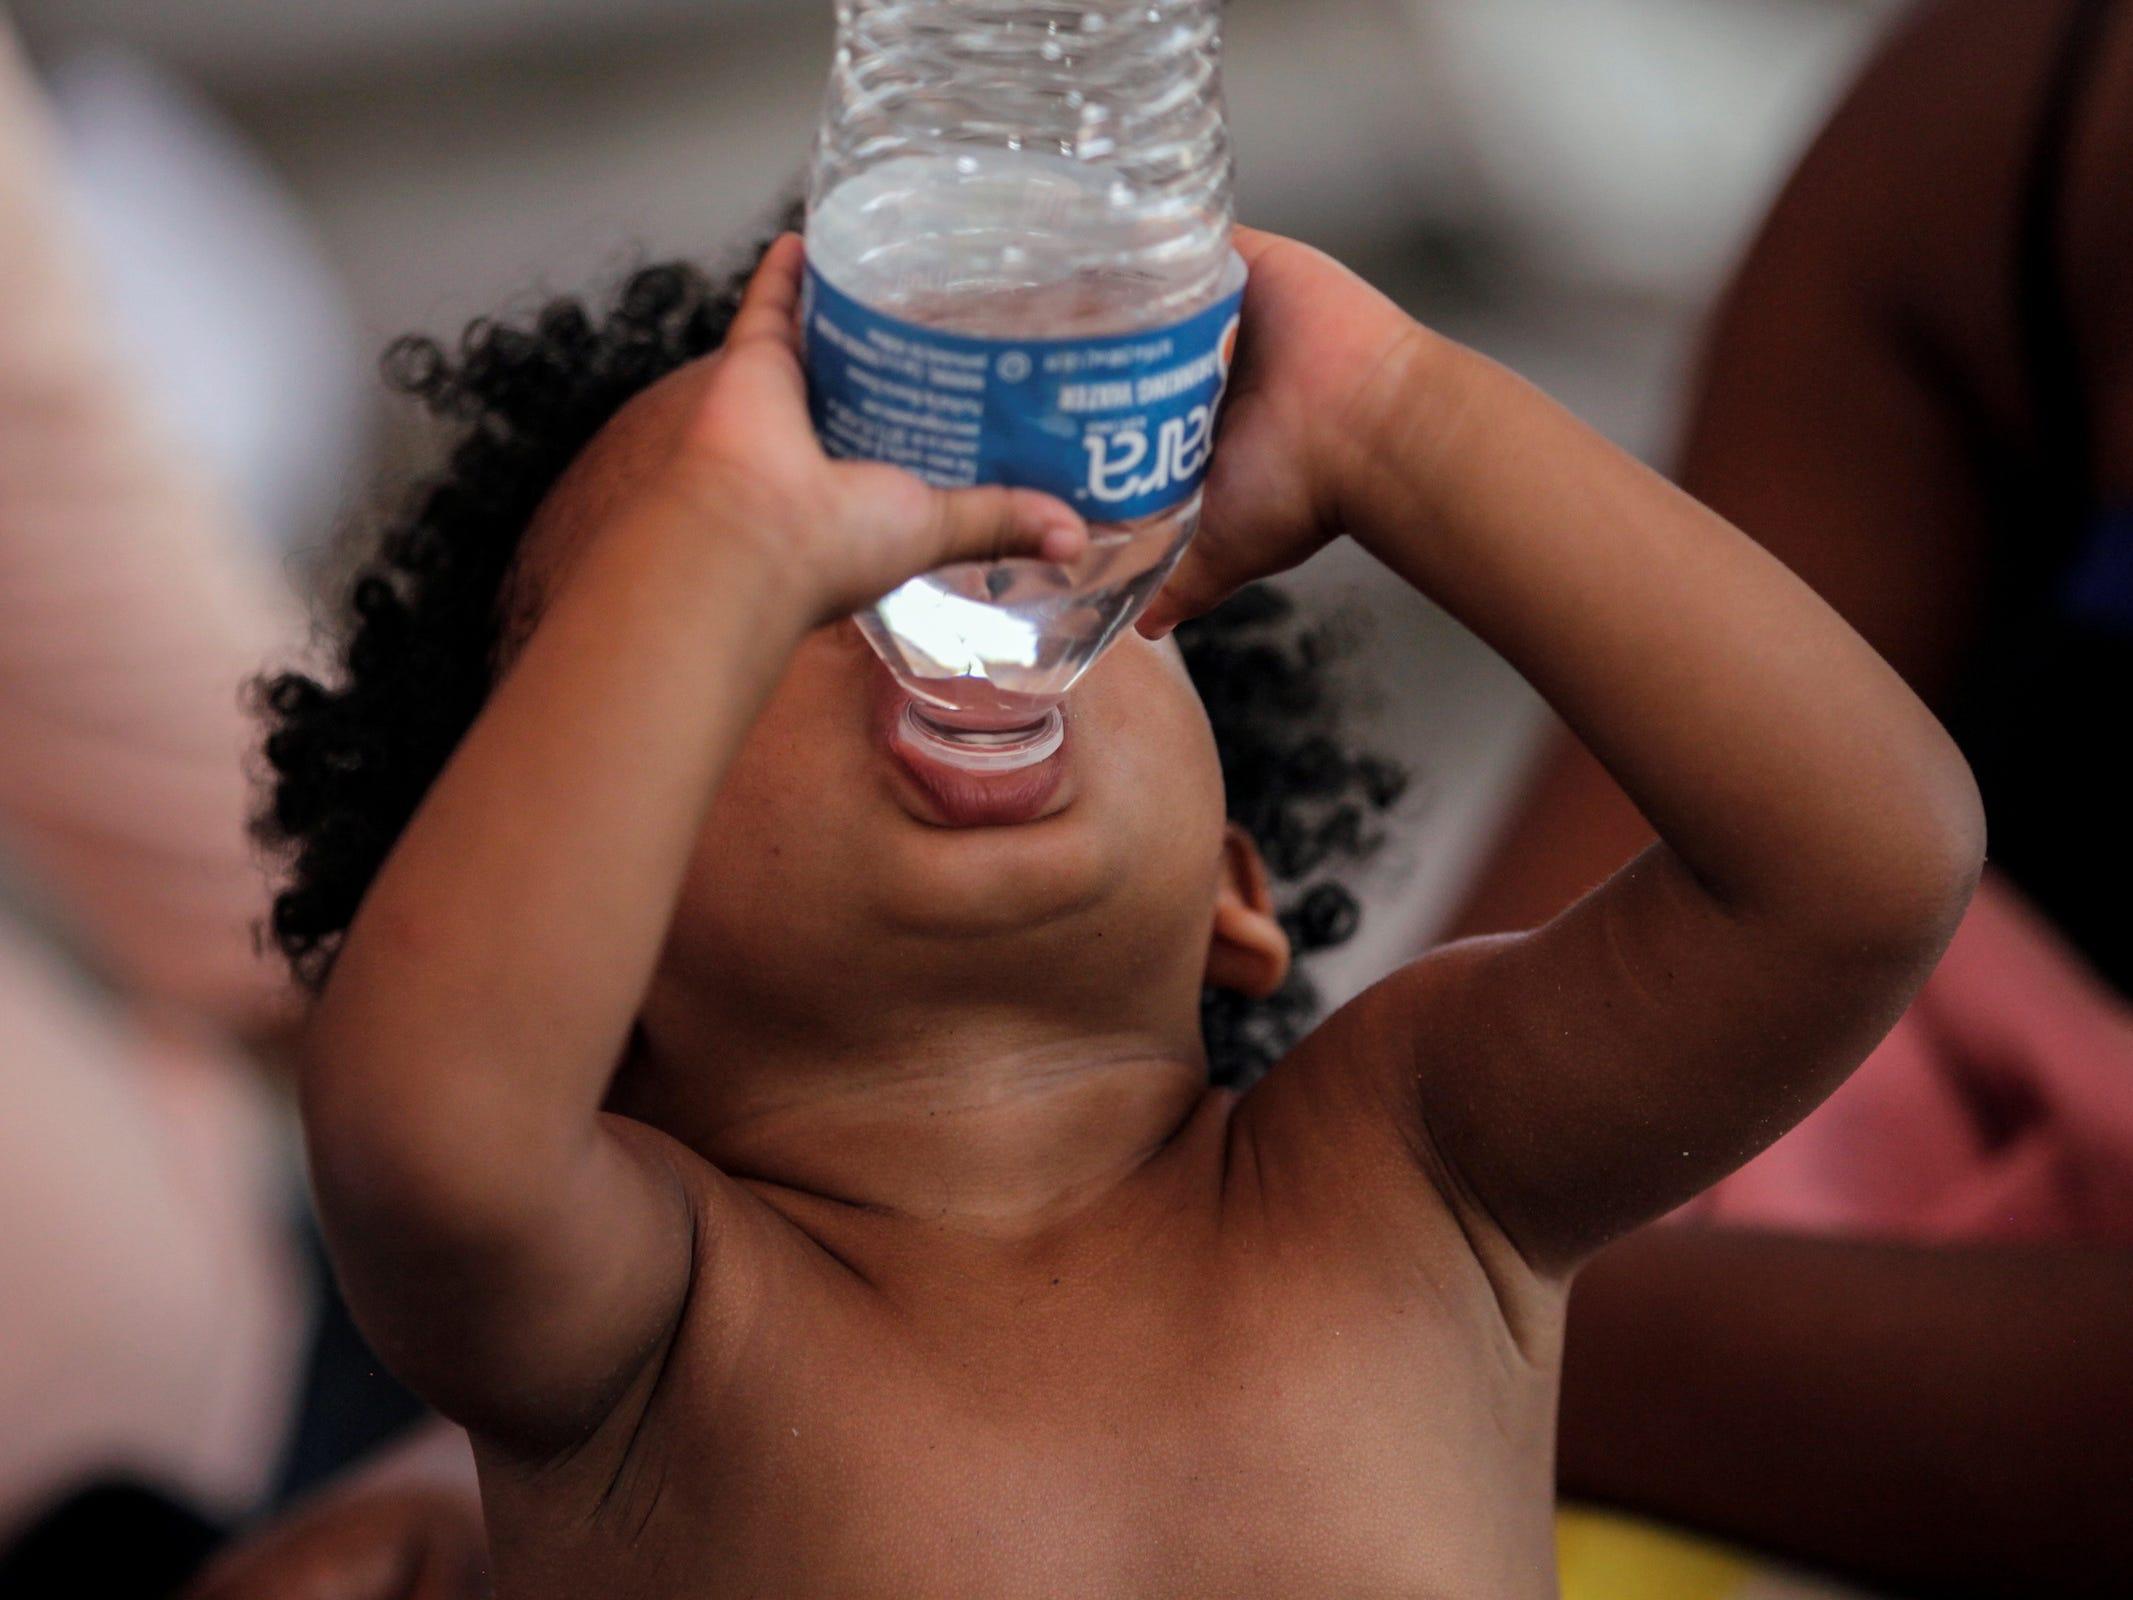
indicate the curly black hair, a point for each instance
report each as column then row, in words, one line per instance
column 351, row 758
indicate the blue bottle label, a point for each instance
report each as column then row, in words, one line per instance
column 1119, row 427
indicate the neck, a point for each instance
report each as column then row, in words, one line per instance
column 989, row 1120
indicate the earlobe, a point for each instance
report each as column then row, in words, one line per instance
column 1247, row 953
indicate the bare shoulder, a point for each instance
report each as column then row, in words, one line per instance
column 1338, row 1138
column 737, row 1250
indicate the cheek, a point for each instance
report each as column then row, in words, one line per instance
column 1149, row 735
column 776, row 841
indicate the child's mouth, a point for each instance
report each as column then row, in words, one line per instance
column 952, row 797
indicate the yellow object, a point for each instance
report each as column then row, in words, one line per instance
column 1608, row 1558
column 1613, row 1558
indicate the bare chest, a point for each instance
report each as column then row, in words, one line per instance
column 1240, row 1423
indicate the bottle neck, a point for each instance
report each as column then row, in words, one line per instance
column 1132, row 87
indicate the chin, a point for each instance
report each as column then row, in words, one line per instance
column 994, row 882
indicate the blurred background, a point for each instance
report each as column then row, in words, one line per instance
column 283, row 189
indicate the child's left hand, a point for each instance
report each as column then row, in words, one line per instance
column 1318, row 374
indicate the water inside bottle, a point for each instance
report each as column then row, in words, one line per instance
column 997, row 646
column 1009, row 246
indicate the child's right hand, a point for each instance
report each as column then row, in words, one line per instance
column 1318, row 377
column 743, row 457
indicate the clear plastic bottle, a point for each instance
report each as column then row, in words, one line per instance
column 1021, row 271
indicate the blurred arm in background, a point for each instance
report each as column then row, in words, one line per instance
column 1897, row 1344
column 405, row 1525
column 1928, row 1419
column 1936, row 1421
column 1825, row 422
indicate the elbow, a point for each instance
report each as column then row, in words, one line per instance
column 1931, row 858
column 1949, row 844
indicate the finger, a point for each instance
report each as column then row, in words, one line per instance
column 770, row 308
column 1201, row 583
column 1254, row 243
column 995, row 524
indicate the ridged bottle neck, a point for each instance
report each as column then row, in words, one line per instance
column 1136, row 87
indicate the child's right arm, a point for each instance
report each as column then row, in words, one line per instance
column 1820, row 835
column 518, row 1256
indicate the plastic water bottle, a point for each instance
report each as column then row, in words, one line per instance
column 1020, row 271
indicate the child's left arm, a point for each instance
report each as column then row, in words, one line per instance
column 1820, row 835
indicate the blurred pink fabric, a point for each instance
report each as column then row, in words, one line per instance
column 2001, row 1109
column 149, row 1314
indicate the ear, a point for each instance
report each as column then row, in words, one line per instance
column 1248, row 952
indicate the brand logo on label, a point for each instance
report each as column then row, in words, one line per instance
column 1180, row 450
column 1123, row 424
column 1126, row 464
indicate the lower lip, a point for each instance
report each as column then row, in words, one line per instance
column 953, row 798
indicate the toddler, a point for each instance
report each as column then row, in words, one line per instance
column 797, row 1164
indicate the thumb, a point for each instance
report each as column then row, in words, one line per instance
column 996, row 524
column 891, row 526
column 1203, row 580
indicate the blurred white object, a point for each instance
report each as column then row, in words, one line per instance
column 255, row 41
column 1636, row 142
column 1627, row 148
column 150, row 1310
column 238, row 327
